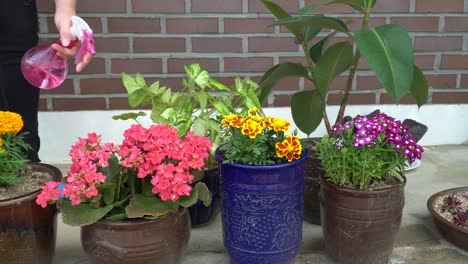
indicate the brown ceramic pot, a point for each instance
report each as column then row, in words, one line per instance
column 452, row 232
column 360, row 226
column 312, row 174
column 28, row 231
column 161, row 241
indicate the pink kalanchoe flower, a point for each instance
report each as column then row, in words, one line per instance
column 49, row 193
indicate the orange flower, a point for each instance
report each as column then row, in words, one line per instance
column 278, row 124
column 252, row 126
column 232, row 120
column 290, row 148
column 10, row 122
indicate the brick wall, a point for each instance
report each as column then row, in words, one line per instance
column 232, row 37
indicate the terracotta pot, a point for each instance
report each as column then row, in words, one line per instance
column 360, row 226
column 201, row 215
column 161, row 241
column 450, row 231
column 28, row 231
column 312, row 174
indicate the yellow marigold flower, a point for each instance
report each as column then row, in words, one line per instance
column 232, row 120
column 278, row 124
column 253, row 110
column 1, row 142
column 252, row 128
column 290, row 148
column 10, row 122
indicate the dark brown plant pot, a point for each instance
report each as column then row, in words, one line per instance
column 312, row 174
column 360, row 226
column 457, row 235
column 28, row 231
column 161, row 241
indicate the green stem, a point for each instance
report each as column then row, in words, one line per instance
column 352, row 70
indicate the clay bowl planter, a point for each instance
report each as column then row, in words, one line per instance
column 457, row 235
column 360, row 226
column 160, row 241
column 27, row 231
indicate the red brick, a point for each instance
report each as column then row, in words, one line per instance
column 298, row 59
column 286, row 84
column 387, row 99
column 222, row 44
column 43, row 105
column 454, row 62
column 163, row 44
column 456, row 24
column 176, row 65
column 281, row 100
column 101, row 6
column 438, row 43
column 133, row 25
column 248, row 25
column 158, row 6
column 249, row 64
column 102, row 86
column 441, row 81
column 418, row 24
column 450, row 97
column 96, row 66
column 78, row 104
column 192, row 25
column 216, row 6
column 438, row 6
column 464, row 81
column 354, row 99
column 112, row 44
column 273, row 44
column 424, row 62
column 146, row 65
column 45, row 6
column 256, row 6
column 393, row 6
column 93, row 22
column 66, row 87
column 339, row 83
column 330, row 9
column 368, row 83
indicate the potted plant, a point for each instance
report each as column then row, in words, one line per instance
column 449, row 209
column 362, row 191
column 388, row 50
column 262, row 183
column 130, row 199
column 196, row 108
column 27, row 233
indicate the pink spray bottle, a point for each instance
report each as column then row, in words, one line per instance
column 45, row 69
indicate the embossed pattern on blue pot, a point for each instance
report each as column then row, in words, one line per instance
column 262, row 210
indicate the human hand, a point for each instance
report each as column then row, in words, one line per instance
column 67, row 51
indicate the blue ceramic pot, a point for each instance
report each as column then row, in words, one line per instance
column 201, row 215
column 262, row 210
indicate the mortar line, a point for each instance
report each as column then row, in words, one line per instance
column 412, row 6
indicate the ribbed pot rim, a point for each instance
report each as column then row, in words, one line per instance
column 284, row 165
column 134, row 223
column 361, row 193
column 56, row 176
column 437, row 216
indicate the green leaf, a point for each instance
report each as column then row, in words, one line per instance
column 197, row 74
column 419, row 88
column 141, row 206
column 154, row 88
column 389, row 52
column 166, row 97
column 130, row 84
column 219, row 86
column 108, row 192
column 310, row 33
column 336, row 59
column 280, row 13
column 306, row 109
column 140, row 80
column 199, row 192
column 117, row 217
column 316, row 51
column 220, row 107
column 168, row 113
column 82, row 214
column 356, row 4
column 126, row 116
column 199, row 127
column 138, row 97
column 313, row 21
column 278, row 72
column 202, row 99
